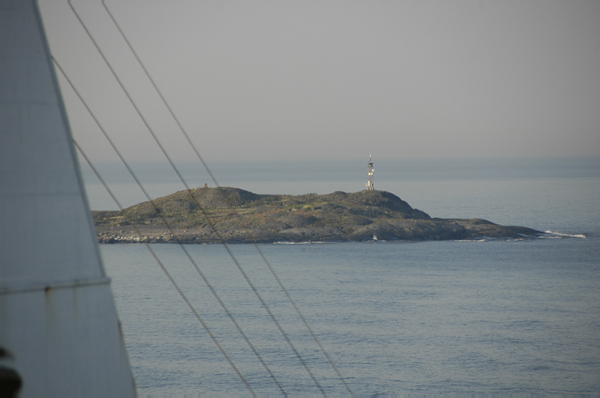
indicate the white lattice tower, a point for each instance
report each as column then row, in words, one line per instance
column 371, row 171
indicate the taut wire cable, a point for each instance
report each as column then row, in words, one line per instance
column 166, row 272
column 238, row 265
column 201, row 159
column 171, row 231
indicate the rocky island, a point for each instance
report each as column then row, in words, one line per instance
column 240, row 216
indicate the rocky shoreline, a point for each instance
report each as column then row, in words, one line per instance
column 240, row 216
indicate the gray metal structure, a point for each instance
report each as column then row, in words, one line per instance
column 57, row 313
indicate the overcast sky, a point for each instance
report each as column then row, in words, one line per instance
column 337, row 78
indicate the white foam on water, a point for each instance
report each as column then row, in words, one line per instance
column 473, row 240
column 310, row 242
column 552, row 234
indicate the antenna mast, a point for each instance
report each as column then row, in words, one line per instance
column 371, row 171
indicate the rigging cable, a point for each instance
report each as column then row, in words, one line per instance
column 238, row 265
column 166, row 272
column 175, row 236
column 200, row 158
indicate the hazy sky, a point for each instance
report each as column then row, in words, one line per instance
column 338, row 78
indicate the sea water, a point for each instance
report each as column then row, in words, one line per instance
column 451, row 317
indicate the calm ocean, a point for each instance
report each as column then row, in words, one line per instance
column 454, row 317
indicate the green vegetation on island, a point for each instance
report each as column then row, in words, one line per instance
column 240, row 216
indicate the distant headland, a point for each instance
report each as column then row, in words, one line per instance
column 240, row 216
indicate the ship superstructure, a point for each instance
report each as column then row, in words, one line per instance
column 59, row 331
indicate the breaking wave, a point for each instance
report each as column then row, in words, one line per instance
column 552, row 234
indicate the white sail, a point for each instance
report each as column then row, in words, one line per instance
column 57, row 314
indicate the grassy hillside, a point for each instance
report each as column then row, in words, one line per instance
column 242, row 216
